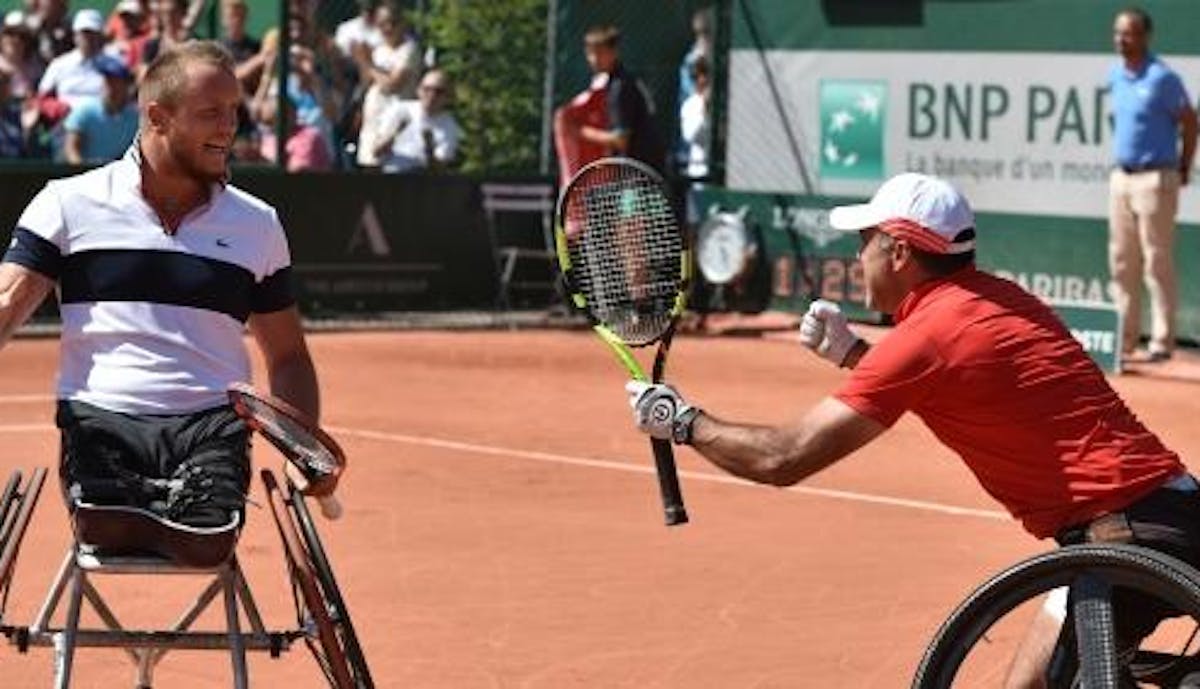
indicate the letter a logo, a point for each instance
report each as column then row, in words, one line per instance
column 369, row 234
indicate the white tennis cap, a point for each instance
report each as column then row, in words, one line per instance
column 88, row 20
column 924, row 210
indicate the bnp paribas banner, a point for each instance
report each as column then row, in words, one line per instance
column 1018, row 132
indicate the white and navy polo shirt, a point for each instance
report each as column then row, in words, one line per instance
column 152, row 323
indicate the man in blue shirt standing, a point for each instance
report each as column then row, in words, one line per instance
column 1154, row 137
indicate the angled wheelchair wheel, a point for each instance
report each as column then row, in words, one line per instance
column 333, row 594
column 314, row 611
column 977, row 627
column 16, row 509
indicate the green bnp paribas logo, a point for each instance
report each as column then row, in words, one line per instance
column 852, row 119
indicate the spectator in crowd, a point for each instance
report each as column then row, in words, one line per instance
column 695, row 129
column 427, row 135
column 12, row 130
column 234, row 15
column 311, row 96
column 695, row 124
column 631, row 130
column 74, row 75
column 247, row 142
column 306, row 149
column 18, row 54
column 701, row 48
column 100, row 130
column 361, row 29
column 169, row 28
column 1154, row 139
column 128, row 30
column 52, row 29
column 391, row 70
column 246, row 50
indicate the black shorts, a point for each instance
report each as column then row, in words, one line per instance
column 193, row 468
column 1167, row 520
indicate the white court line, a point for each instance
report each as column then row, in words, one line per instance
column 25, row 399
column 612, row 465
column 640, row 469
column 27, row 428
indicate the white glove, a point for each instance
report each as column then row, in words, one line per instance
column 824, row 330
column 660, row 411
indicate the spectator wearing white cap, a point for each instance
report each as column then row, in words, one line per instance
column 99, row 130
column 74, row 75
column 18, row 54
column 993, row 373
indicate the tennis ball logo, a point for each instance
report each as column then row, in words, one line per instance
column 852, row 116
column 628, row 202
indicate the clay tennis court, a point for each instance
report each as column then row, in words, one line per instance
column 503, row 528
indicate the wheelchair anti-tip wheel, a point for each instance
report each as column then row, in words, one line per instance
column 320, row 607
column 1098, row 567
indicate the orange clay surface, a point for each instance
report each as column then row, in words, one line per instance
column 503, row 529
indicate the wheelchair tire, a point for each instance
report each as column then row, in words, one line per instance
column 333, row 594
column 312, row 609
column 14, row 525
column 1148, row 571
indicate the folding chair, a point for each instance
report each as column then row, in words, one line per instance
column 513, row 243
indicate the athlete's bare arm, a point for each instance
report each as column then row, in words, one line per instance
column 21, row 291
column 783, row 455
column 290, row 371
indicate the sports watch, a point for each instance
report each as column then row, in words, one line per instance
column 681, row 430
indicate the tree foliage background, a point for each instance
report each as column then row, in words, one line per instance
column 494, row 50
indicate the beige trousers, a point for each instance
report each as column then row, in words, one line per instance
column 1141, row 244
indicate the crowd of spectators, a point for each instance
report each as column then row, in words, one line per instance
column 359, row 96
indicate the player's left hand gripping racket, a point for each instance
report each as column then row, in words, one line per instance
column 627, row 267
column 317, row 457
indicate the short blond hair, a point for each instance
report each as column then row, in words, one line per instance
column 166, row 77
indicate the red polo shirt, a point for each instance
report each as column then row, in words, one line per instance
column 997, row 377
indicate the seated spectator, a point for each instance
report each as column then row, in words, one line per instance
column 18, row 54
column 12, row 133
column 74, row 75
column 52, row 29
column 307, row 88
column 128, row 30
column 359, row 30
column 101, row 129
column 427, row 135
column 391, row 70
column 306, row 148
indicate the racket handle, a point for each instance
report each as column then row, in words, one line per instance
column 331, row 507
column 668, row 482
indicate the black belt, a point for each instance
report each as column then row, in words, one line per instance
column 1149, row 167
column 1114, row 527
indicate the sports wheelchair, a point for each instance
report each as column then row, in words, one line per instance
column 1087, row 653
column 112, row 540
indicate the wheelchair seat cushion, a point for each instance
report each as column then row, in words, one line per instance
column 124, row 530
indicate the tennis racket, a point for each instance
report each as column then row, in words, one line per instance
column 627, row 267
column 317, row 457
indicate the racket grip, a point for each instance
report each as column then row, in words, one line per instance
column 668, row 482
column 331, row 507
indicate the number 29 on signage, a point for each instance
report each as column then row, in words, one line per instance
column 836, row 278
